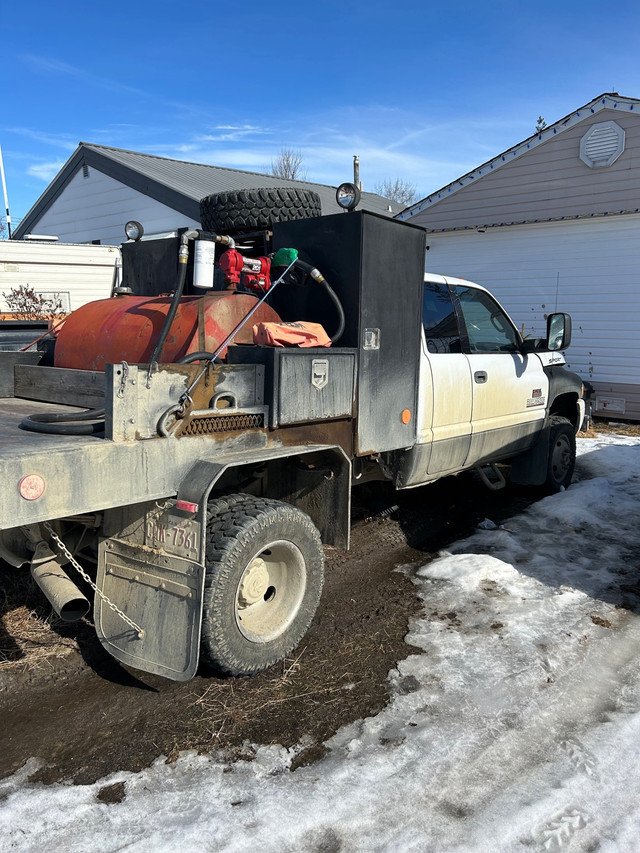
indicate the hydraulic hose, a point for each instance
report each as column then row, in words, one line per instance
column 66, row 423
column 183, row 257
column 316, row 275
column 195, row 356
column 334, row 298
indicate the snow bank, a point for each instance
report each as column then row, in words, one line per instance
column 516, row 728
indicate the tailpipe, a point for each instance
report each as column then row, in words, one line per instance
column 61, row 592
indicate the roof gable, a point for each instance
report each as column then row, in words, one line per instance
column 178, row 184
column 610, row 104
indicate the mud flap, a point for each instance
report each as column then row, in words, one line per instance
column 530, row 469
column 160, row 592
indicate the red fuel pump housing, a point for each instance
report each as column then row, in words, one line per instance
column 252, row 273
column 125, row 328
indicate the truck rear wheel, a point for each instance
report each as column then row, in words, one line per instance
column 562, row 454
column 264, row 577
column 240, row 211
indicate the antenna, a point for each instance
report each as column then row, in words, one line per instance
column 6, row 198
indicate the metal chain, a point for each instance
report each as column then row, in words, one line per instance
column 76, row 565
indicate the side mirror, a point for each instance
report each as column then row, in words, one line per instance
column 558, row 331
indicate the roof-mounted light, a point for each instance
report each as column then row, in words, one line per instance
column 348, row 196
column 133, row 230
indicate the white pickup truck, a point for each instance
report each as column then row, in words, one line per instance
column 195, row 494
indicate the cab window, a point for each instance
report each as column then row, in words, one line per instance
column 488, row 327
column 439, row 319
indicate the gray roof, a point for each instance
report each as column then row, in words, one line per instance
column 179, row 184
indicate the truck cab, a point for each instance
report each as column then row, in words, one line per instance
column 484, row 391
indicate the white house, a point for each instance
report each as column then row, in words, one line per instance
column 554, row 223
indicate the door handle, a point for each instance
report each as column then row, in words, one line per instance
column 480, row 376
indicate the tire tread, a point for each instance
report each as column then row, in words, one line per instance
column 233, row 523
column 238, row 211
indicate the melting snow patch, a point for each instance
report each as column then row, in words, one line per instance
column 516, row 728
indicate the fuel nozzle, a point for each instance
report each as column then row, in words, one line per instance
column 284, row 259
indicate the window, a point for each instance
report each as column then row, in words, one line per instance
column 439, row 319
column 488, row 327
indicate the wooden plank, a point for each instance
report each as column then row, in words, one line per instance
column 8, row 360
column 84, row 388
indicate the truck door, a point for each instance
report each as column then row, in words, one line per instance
column 510, row 388
column 444, row 414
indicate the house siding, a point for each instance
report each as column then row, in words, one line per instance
column 548, row 182
column 588, row 268
column 97, row 208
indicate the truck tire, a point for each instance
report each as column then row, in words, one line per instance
column 562, row 454
column 240, row 211
column 264, row 575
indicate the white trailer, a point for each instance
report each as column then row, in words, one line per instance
column 71, row 274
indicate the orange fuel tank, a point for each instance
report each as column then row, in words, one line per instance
column 125, row 328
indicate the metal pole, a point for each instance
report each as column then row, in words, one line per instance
column 356, row 171
column 6, row 199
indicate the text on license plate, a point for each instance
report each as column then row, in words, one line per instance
column 174, row 535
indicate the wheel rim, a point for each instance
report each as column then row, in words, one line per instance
column 561, row 458
column 270, row 592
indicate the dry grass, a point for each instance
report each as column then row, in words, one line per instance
column 31, row 635
column 288, row 689
column 611, row 428
column 29, row 639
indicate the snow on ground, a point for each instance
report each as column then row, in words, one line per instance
column 516, row 728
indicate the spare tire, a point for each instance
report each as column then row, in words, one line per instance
column 240, row 211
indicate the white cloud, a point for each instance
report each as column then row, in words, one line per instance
column 59, row 140
column 390, row 143
column 45, row 171
column 50, row 66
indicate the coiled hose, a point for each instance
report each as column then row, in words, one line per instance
column 66, row 423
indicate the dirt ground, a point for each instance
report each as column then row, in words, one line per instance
column 65, row 701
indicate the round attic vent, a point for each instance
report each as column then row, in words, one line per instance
column 602, row 144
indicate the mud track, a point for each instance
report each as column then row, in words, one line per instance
column 86, row 716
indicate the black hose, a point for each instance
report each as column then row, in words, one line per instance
column 317, row 276
column 171, row 313
column 195, row 356
column 338, row 333
column 66, row 423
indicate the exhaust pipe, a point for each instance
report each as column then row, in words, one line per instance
column 61, row 592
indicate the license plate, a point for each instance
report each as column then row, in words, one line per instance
column 174, row 532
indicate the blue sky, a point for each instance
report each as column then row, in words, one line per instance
column 424, row 91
